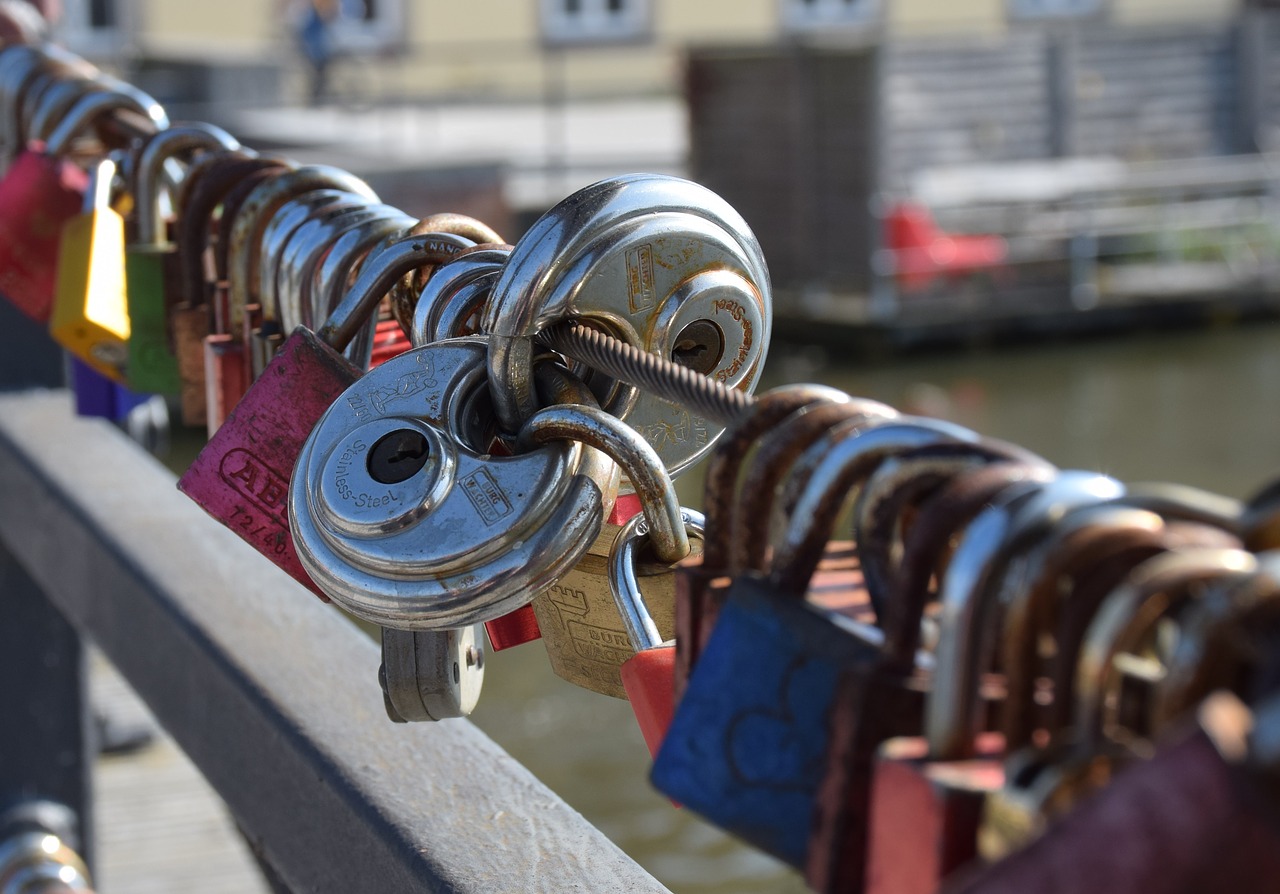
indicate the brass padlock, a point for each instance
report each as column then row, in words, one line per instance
column 584, row 633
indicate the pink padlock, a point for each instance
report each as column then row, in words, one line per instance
column 241, row 477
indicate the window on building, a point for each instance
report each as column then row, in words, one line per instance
column 809, row 15
column 370, row 26
column 1034, row 10
column 94, row 28
column 594, row 21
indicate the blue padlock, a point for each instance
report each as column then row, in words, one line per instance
column 746, row 747
column 98, row 396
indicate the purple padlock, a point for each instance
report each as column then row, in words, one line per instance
column 98, row 396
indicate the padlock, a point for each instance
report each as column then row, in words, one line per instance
column 42, row 107
column 100, row 397
column 701, row 582
column 225, row 352
column 193, row 316
column 431, row 675
column 648, row 676
column 746, row 746
column 1085, row 555
column 585, row 635
column 927, row 792
column 241, row 477
column 90, row 313
column 402, row 516
column 1190, row 819
column 404, row 297
column 1081, row 756
column 969, row 614
column 665, row 265
column 151, row 261
column 20, row 67
column 885, row 699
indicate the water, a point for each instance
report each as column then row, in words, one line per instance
column 1196, row 408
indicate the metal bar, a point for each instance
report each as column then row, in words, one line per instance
column 271, row 693
column 45, row 749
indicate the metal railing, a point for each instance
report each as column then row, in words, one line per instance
column 269, row 692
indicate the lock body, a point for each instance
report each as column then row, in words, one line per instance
column 39, row 195
column 152, row 364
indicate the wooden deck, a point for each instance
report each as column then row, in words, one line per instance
column 160, row 827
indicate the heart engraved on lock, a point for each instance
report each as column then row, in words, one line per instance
column 401, row 516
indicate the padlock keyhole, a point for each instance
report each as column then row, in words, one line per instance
column 398, row 456
column 699, row 346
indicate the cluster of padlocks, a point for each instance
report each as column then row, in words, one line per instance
column 441, row 441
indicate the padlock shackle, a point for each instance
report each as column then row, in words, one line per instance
column 335, row 271
column 1181, row 502
column 725, row 462
column 296, row 289
column 840, row 467
column 966, row 595
column 772, row 463
column 244, row 244
column 288, row 220
column 636, row 457
column 926, row 548
column 898, row 484
column 445, row 281
column 378, row 274
column 119, row 95
column 1034, row 603
column 166, row 144
column 194, row 223
column 1151, row 591
column 54, row 103
column 642, row 630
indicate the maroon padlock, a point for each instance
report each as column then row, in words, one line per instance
column 241, row 477
column 1200, row 816
column 39, row 194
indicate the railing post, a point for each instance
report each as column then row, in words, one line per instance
column 45, row 741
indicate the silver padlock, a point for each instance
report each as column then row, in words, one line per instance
column 431, row 674
column 665, row 265
column 402, row 516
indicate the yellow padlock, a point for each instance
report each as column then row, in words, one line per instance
column 90, row 310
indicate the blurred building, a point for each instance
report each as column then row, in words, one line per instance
column 430, row 49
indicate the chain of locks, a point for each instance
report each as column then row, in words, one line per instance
column 944, row 698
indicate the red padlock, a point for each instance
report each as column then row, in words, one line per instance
column 648, row 676
column 242, row 475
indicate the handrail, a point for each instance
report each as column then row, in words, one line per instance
column 271, row 693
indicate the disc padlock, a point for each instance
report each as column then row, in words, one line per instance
column 659, row 262
column 241, row 477
column 404, row 297
column 151, row 260
column 402, row 516
column 584, row 633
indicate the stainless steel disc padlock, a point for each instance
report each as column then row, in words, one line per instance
column 400, row 514
column 659, row 262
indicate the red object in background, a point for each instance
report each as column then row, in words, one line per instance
column 922, row 252
column 520, row 626
column 389, row 341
